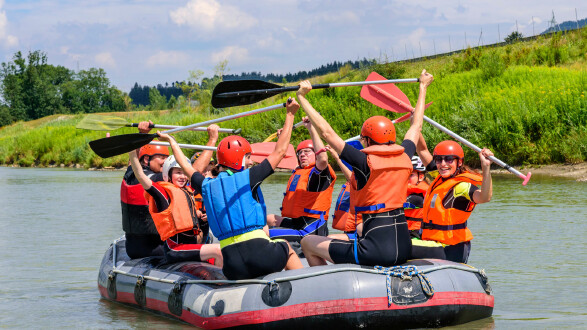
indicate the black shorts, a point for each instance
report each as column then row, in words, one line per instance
column 293, row 230
column 141, row 246
column 182, row 247
column 385, row 242
column 253, row 258
column 457, row 253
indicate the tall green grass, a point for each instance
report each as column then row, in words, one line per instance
column 524, row 101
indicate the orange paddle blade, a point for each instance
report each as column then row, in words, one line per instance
column 387, row 96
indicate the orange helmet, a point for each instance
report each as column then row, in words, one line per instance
column 231, row 152
column 305, row 144
column 152, row 150
column 380, row 129
column 449, row 148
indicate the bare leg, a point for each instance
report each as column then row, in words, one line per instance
column 209, row 251
column 293, row 261
column 316, row 249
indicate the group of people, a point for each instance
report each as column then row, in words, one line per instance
column 387, row 210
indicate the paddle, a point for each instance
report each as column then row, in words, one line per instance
column 391, row 98
column 116, row 145
column 274, row 135
column 109, row 123
column 260, row 151
column 242, row 92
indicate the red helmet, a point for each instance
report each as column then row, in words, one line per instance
column 449, row 148
column 152, row 150
column 231, row 152
column 305, row 144
column 380, row 129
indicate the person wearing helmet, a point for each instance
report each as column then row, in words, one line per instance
column 450, row 199
column 308, row 194
column 417, row 187
column 142, row 238
column 236, row 210
column 378, row 190
column 174, row 211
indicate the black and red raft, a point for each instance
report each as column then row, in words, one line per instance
column 420, row 293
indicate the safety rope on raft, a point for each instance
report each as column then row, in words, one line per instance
column 405, row 273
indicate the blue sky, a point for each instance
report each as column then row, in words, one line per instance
column 150, row 42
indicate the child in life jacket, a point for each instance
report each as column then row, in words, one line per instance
column 450, row 199
column 413, row 207
column 236, row 209
column 308, row 194
column 174, row 210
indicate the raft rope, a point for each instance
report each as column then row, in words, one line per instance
column 405, row 273
column 273, row 282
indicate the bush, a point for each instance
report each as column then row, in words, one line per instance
column 491, row 65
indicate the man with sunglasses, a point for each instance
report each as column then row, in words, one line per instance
column 450, row 199
column 308, row 194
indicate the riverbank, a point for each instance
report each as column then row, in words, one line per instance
column 573, row 171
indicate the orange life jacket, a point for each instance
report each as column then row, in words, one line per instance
column 415, row 213
column 388, row 182
column 447, row 226
column 199, row 202
column 344, row 218
column 298, row 201
column 180, row 216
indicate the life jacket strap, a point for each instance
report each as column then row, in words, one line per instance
column 370, row 207
column 433, row 226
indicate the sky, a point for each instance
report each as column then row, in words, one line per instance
column 158, row 41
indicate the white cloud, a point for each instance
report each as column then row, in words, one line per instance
column 7, row 39
column 168, row 59
column 105, row 59
column 210, row 15
column 233, row 54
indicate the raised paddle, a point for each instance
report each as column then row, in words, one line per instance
column 390, row 97
column 242, row 92
column 274, row 135
column 116, row 145
column 109, row 123
column 258, row 154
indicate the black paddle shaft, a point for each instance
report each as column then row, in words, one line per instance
column 242, row 92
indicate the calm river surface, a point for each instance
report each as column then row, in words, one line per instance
column 55, row 225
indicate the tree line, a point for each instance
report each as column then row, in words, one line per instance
column 30, row 88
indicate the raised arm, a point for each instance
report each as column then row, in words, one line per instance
column 180, row 158
column 345, row 170
column 320, row 124
column 138, row 170
column 422, row 150
column 283, row 141
column 202, row 162
column 321, row 158
column 484, row 194
column 413, row 132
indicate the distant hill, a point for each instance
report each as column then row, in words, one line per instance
column 565, row 26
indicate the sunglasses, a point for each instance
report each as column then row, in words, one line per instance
column 447, row 159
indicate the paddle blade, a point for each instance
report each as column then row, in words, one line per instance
column 289, row 163
column 270, row 137
column 260, row 151
column 117, row 145
column 385, row 96
column 254, row 91
column 101, row 123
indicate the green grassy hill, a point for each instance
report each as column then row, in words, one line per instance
column 525, row 101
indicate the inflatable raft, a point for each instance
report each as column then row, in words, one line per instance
column 420, row 293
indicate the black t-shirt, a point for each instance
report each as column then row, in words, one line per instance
column 131, row 179
column 257, row 174
column 358, row 160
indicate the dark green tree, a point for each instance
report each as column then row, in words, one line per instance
column 513, row 37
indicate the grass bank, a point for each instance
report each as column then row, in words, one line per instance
column 524, row 101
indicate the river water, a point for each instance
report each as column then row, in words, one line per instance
column 55, row 225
